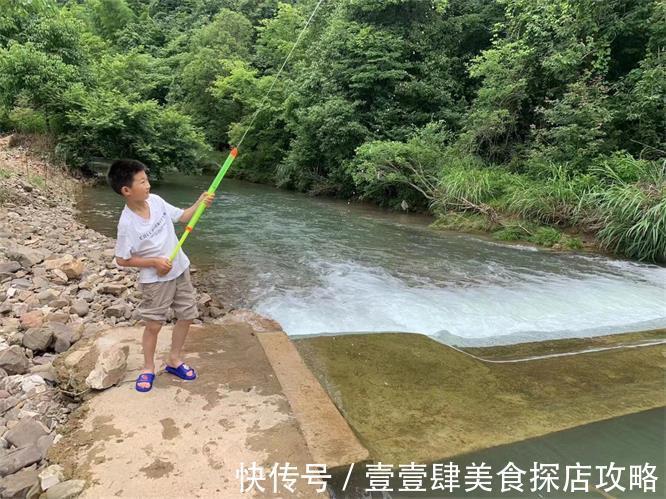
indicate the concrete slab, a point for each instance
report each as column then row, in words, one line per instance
column 187, row 439
column 329, row 438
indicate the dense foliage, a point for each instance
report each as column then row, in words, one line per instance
column 531, row 118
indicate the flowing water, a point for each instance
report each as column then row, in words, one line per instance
column 321, row 266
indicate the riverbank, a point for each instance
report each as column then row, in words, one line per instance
column 59, row 286
column 511, row 230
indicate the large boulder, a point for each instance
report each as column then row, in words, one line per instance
column 109, row 368
column 18, row 459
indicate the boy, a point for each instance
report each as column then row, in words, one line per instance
column 146, row 236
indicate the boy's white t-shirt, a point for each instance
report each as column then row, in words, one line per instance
column 152, row 238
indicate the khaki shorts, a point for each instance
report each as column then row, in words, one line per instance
column 159, row 297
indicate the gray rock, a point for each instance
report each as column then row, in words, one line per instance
column 117, row 310
column 59, row 303
column 65, row 336
column 5, row 307
column 27, row 257
column 38, row 339
column 47, row 296
column 8, row 268
column 62, row 343
column 44, row 443
column 86, row 295
column 22, row 283
column 18, row 459
column 112, row 289
column 80, row 308
column 14, row 361
column 65, row 490
column 17, row 485
column 27, row 432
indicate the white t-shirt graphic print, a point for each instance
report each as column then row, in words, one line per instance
column 152, row 238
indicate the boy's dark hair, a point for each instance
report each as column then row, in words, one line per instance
column 122, row 171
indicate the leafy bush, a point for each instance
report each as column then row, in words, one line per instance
column 389, row 171
column 104, row 123
column 27, row 120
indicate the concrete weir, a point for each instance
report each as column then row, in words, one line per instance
column 254, row 401
column 409, row 398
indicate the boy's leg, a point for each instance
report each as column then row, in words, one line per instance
column 149, row 343
column 154, row 305
column 185, row 306
column 178, row 336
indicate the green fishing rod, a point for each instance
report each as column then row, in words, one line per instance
column 234, row 151
column 202, row 206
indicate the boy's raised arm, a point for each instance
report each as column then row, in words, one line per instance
column 189, row 212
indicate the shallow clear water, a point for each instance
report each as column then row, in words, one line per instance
column 326, row 266
column 632, row 440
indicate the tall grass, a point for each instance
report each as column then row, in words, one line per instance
column 555, row 200
column 633, row 216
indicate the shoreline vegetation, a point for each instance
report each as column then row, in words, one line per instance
column 539, row 121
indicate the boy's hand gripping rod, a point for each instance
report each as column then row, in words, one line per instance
column 200, row 209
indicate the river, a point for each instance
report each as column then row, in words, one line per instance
column 321, row 266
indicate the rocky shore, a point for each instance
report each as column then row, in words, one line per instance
column 59, row 285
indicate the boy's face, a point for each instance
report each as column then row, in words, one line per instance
column 140, row 188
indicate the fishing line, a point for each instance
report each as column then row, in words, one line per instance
column 553, row 355
column 234, row 151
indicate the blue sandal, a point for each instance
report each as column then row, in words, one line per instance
column 145, row 378
column 181, row 371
